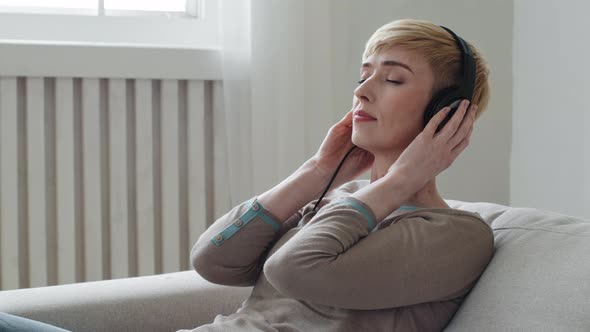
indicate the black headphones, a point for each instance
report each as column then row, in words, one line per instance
column 453, row 95
column 450, row 96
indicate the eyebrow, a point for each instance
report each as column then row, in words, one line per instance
column 390, row 63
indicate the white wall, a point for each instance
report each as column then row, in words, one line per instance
column 481, row 173
column 323, row 73
column 551, row 122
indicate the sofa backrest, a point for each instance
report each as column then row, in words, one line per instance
column 539, row 277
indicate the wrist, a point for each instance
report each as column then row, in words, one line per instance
column 301, row 187
column 313, row 173
column 401, row 181
column 314, row 166
column 384, row 195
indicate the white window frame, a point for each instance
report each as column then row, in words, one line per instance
column 194, row 9
column 53, row 45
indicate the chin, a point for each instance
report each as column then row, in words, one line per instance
column 362, row 144
column 365, row 144
column 356, row 141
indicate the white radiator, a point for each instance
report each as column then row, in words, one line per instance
column 102, row 178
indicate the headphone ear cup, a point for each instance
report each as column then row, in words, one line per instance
column 447, row 97
column 437, row 103
column 454, row 103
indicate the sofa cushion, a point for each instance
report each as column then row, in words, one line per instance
column 539, row 277
column 165, row 302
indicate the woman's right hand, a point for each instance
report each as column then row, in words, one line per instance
column 337, row 143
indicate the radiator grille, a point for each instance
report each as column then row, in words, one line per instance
column 103, row 178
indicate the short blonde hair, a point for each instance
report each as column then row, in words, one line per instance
column 440, row 50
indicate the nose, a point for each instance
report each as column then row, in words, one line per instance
column 363, row 93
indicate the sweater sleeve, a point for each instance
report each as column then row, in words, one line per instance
column 426, row 256
column 233, row 249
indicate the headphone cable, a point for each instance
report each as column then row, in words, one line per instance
column 333, row 177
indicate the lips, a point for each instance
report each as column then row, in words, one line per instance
column 363, row 114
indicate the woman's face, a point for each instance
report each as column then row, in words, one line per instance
column 395, row 89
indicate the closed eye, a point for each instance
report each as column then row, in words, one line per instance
column 392, row 81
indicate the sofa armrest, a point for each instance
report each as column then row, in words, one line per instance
column 166, row 302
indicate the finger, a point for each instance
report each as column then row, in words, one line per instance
column 347, row 119
column 465, row 127
column 345, row 122
column 462, row 145
column 451, row 127
column 437, row 119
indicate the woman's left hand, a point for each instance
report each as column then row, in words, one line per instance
column 430, row 153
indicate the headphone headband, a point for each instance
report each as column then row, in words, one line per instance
column 467, row 84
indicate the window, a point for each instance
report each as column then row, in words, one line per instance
column 132, row 38
column 174, row 8
column 126, row 40
column 149, row 23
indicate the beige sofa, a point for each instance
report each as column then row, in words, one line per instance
column 538, row 280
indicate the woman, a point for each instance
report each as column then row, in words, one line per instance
column 381, row 255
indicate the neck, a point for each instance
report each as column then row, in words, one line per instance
column 426, row 197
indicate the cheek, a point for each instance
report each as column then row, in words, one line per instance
column 401, row 127
column 401, row 102
column 404, row 112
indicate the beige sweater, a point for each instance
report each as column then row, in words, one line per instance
column 338, row 269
